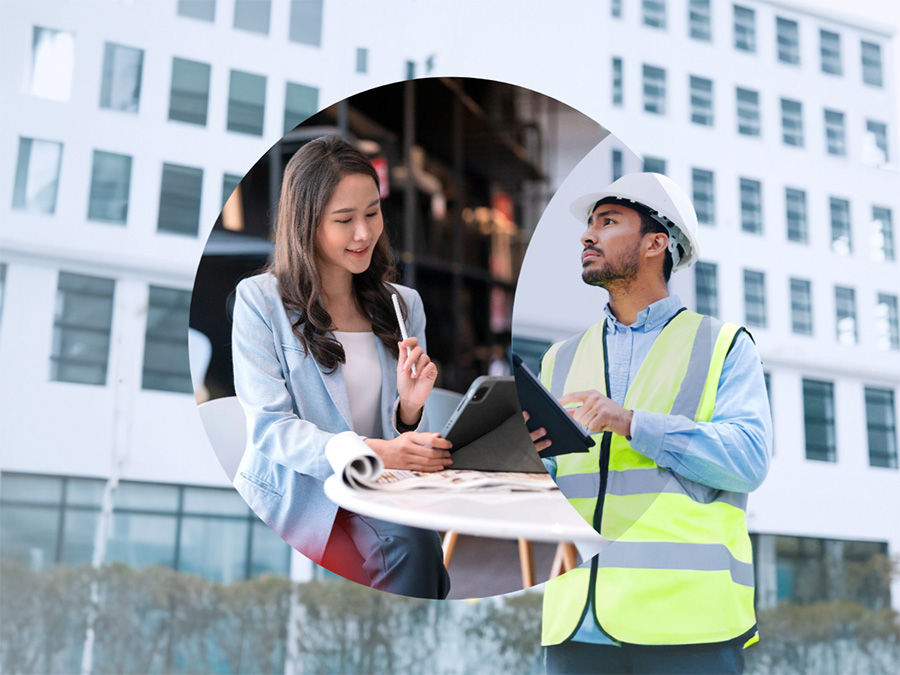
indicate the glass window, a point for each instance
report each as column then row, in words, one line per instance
column 29, row 534
column 881, row 426
column 78, row 531
column 246, row 103
column 166, row 365
column 205, row 10
column 699, row 20
column 871, row 64
column 755, row 298
column 887, row 321
column 748, row 112
column 52, row 62
column 615, row 8
column 617, row 87
column 882, row 237
column 110, row 182
column 706, row 282
column 215, row 548
column 830, row 51
column 845, row 315
column 230, row 181
column 142, row 540
column 654, row 164
column 841, row 240
column 179, row 199
column 121, row 85
column 213, row 501
column 835, row 136
column 81, row 329
column 751, row 206
column 701, row 101
column 306, row 22
column 744, row 29
column 876, row 142
column 616, row 164
column 268, row 552
column 788, row 33
column 792, row 122
column 654, row 13
column 37, row 175
column 362, row 60
column 654, row 90
column 189, row 96
column 818, row 420
column 795, row 205
column 410, row 70
column 252, row 15
column 300, row 102
column 801, row 307
column 32, row 489
column 704, row 196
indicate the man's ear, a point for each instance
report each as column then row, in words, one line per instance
column 656, row 243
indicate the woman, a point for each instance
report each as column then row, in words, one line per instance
column 315, row 345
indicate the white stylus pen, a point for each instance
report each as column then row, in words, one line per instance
column 403, row 332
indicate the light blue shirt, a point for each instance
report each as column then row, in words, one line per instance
column 730, row 452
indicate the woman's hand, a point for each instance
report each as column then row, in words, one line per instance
column 413, row 450
column 413, row 389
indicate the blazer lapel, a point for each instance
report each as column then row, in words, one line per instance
column 337, row 390
column 388, row 389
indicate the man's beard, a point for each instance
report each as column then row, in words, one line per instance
column 623, row 270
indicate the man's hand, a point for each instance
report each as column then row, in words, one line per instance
column 599, row 413
column 538, row 436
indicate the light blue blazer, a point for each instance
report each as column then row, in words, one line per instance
column 293, row 408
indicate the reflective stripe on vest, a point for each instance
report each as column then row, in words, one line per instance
column 680, row 551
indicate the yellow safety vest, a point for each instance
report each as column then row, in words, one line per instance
column 679, row 568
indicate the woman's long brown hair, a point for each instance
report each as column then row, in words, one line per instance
column 310, row 178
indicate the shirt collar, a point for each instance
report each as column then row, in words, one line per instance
column 650, row 318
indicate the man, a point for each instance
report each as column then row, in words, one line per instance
column 679, row 413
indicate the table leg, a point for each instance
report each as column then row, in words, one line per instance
column 526, row 560
column 448, row 545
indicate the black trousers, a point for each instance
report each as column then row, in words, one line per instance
column 583, row 657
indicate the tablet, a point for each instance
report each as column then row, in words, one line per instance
column 490, row 400
column 544, row 411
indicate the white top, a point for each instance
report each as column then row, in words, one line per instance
column 362, row 377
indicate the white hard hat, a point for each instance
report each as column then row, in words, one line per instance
column 666, row 202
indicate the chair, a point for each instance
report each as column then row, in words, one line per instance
column 223, row 419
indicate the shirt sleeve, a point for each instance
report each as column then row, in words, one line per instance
column 731, row 451
column 416, row 329
column 273, row 428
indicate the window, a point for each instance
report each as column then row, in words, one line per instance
column 704, row 196
column 616, row 164
column 882, row 237
column 755, row 298
column 230, row 182
column 788, row 40
column 748, row 112
column 881, row 427
column 205, row 10
column 121, row 86
column 179, row 199
column 166, row 365
column 617, row 89
column 246, row 103
column 871, row 64
column 362, row 60
column 110, row 182
column 751, row 206
column 841, row 240
column 744, row 29
column 81, row 329
column 706, row 282
column 801, row 307
column 615, row 8
column 701, row 101
column 306, row 22
column 654, row 13
column 300, row 102
column 795, row 206
column 835, row 137
column 887, row 322
column 410, row 70
column 189, row 97
column 37, row 175
column 818, row 420
column 52, row 62
column 654, row 164
column 654, row 90
column 699, row 20
column 252, row 15
column 830, row 51
column 876, row 142
column 792, row 122
column 845, row 315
